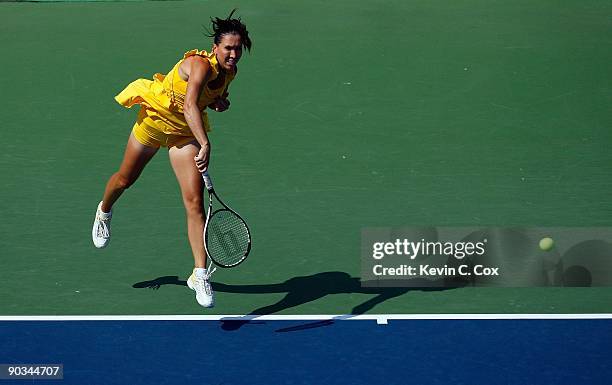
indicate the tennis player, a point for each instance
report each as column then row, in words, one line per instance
column 173, row 115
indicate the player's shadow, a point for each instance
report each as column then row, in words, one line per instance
column 299, row 291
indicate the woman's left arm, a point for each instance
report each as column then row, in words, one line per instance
column 222, row 103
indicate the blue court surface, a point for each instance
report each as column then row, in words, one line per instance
column 315, row 352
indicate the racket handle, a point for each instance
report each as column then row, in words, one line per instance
column 207, row 181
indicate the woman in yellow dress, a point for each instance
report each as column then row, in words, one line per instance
column 173, row 115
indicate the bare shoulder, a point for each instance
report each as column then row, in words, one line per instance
column 195, row 66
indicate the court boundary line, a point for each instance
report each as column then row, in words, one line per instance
column 381, row 319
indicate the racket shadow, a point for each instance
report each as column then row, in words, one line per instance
column 156, row 283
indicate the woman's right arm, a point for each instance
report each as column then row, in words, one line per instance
column 198, row 71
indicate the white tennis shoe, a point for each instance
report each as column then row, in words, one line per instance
column 100, row 233
column 199, row 281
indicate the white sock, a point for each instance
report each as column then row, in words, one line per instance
column 199, row 271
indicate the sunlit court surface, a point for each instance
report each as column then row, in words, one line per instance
column 351, row 125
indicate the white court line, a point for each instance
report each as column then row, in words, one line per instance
column 382, row 319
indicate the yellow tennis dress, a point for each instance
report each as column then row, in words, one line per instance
column 161, row 121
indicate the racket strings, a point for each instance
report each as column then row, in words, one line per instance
column 228, row 238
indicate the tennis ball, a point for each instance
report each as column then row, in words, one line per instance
column 546, row 244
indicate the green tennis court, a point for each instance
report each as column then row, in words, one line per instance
column 345, row 115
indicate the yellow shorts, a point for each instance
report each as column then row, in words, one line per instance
column 148, row 134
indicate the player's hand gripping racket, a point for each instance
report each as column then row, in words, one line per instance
column 227, row 238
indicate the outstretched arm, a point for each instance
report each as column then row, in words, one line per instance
column 198, row 71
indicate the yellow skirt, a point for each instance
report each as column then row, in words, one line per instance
column 157, row 110
column 147, row 133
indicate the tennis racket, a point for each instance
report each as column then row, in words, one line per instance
column 227, row 238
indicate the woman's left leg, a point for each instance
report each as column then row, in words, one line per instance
column 190, row 182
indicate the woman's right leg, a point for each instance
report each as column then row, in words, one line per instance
column 136, row 157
